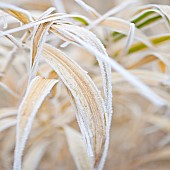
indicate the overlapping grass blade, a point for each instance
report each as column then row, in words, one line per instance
column 37, row 42
column 7, row 123
column 34, row 156
column 8, row 111
column 89, row 103
column 35, row 94
column 19, row 13
column 77, row 149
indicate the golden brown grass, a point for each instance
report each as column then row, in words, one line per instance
column 84, row 88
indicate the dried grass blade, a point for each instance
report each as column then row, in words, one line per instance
column 149, row 77
column 51, row 18
column 123, row 27
column 112, row 11
column 35, row 94
column 162, row 122
column 89, row 103
column 130, row 39
column 9, row 111
column 37, row 42
column 88, row 8
column 86, row 39
column 74, row 34
column 7, row 123
column 17, row 12
column 9, row 90
column 46, row 13
column 34, row 156
column 77, row 149
column 144, row 90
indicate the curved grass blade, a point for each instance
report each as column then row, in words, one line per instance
column 71, row 33
column 8, row 111
column 37, row 42
column 89, row 103
column 88, row 8
column 34, row 156
column 123, row 27
column 9, row 90
column 35, row 94
column 145, row 90
column 139, row 46
column 19, row 13
column 77, row 149
column 7, row 123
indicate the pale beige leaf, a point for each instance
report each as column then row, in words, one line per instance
column 77, row 35
column 77, row 149
column 38, row 40
column 17, row 12
column 7, row 123
column 35, row 94
column 8, row 89
column 87, row 39
column 9, row 111
column 88, row 8
column 89, row 103
column 34, row 155
column 162, row 122
column 122, row 26
column 149, row 77
column 111, row 12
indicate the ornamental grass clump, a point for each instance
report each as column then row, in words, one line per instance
column 83, row 88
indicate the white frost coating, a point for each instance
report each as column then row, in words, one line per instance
column 92, row 40
column 59, row 16
column 74, row 33
column 31, row 52
column 130, row 36
column 85, row 130
column 129, row 39
column 86, row 133
column 104, row 67
column 143, row 89
column 21, row 138
column 34, row 66
column 82, row 119
column 47, row 12
column 103, row 17
column 88, row 8
column 15, row 8
column 13, row 40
